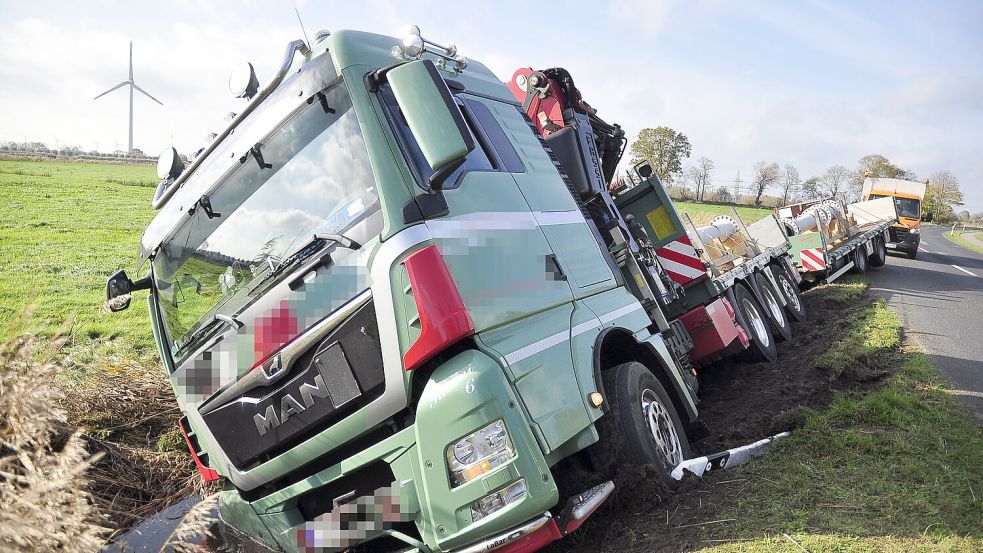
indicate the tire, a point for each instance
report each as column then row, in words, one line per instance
column 781, row 328
column 912, row 253
column 794, row 305
column 626, row 429
column 750, row 316
column 860, row 260
column 879, row 257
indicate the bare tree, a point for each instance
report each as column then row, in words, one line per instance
column 700, row 175
column 790, row 179
column 765, row 176
column 834, row 181
column 810, row 188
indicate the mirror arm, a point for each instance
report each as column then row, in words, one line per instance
column 142, row 284
column 436, row 183
column 375, row 79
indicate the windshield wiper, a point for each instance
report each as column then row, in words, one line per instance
column 317, row 242
column 207, row 328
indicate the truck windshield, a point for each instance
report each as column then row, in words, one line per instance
column 311, row 174
column 907, row 207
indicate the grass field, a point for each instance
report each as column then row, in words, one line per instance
column 64, row 229
column 970, row 239
column 702, row 213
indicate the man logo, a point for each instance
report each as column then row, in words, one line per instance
column 289, row 406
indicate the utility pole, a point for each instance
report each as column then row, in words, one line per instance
column 737, row 188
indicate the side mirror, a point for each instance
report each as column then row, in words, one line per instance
column 118, row 290
column 433, row 117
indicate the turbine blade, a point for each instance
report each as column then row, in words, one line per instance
column 147, row 94
column 124, row 83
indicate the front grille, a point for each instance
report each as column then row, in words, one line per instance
column 328, row 382
column 898, row 234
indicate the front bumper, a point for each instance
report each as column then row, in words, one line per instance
column 400, row 488
column 909, row 245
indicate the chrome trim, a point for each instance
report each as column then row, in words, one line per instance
column 507, row 537
column 256, row 378
column 288, row 58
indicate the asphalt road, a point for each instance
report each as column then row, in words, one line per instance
column 939, row 296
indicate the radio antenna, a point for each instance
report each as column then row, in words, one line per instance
column 301, row 21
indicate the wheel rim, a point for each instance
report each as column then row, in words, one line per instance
column 757, row 322
column 773, row 306
column 661, row 427
column 790, row 294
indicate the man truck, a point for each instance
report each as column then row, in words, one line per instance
column 388, row 312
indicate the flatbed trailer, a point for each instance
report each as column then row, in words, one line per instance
column 753, row 256
column 844, row 237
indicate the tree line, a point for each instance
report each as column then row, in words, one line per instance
column 775, row 184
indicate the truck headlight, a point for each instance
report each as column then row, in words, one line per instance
column 491, row 503
column 479, row 452
column 915, row 231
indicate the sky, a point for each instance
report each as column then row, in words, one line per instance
column 808, row 83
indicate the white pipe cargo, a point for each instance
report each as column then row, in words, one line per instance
column 805, row 221
column 721, row 228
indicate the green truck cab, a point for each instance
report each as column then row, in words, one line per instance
column 387, row 317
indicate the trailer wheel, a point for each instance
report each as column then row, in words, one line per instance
column 860, row 260
column 794, row 306
column 781, row 328
column 751, row 317
column 879, row 257
column 641, row 426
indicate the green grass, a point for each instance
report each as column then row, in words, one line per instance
column 64, row 229
column 702, row 213
column 868, row 346
column 963, row 239
column 850, row 288
column 895, row 469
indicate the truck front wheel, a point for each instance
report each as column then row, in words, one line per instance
column 641, row 426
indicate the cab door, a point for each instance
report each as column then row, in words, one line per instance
column 506, row 272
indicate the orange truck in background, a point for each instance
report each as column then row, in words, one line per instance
column 908, row 195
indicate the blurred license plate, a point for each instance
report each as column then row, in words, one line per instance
column 891, row 245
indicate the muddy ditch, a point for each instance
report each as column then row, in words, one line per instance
column 740, row 403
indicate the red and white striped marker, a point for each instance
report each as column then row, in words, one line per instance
column 813, row 259
column 681, row 261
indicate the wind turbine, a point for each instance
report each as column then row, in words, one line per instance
column 132, row 86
